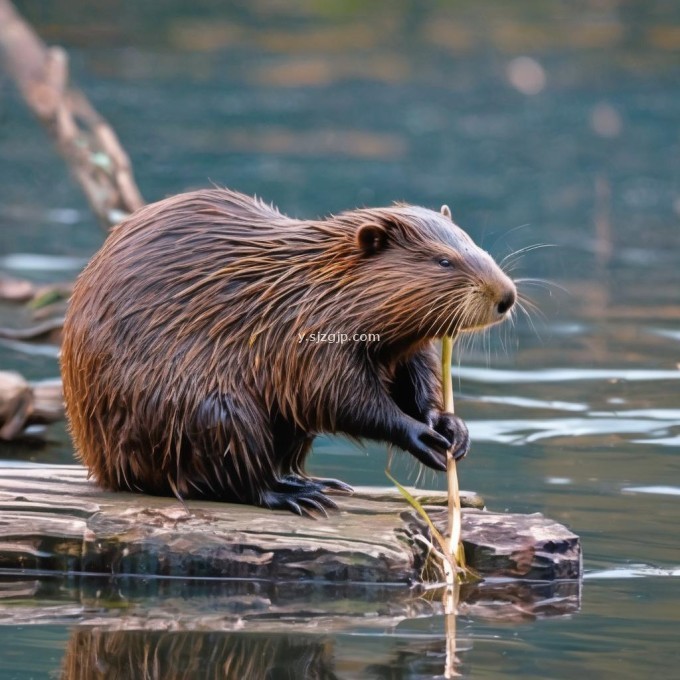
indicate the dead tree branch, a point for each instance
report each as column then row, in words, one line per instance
column 85, row 140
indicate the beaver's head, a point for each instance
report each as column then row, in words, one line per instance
column 435, row 280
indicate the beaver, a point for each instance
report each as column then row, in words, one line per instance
column 186, row 359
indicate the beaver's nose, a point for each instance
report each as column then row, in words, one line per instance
column 507, row 301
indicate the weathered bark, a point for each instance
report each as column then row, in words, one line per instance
column 85, row 140
column 53, row 518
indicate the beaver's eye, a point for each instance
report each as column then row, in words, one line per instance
column 445, row 263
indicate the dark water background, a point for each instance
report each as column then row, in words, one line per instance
column 321, row 106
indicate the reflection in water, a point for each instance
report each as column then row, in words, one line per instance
column 321, row 143
column 560, row 375
column 528, row 431
column 257, row 606
column 633, row 571
column 96, row 654
column 164, row 649
column 663, row 490
column 177, row 628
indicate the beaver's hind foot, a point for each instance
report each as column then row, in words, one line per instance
column 299, row 495
column 322, row 484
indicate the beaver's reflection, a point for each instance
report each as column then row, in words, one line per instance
column 246, row 631
column 98, row 654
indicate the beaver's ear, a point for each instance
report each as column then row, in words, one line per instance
column 371, row 238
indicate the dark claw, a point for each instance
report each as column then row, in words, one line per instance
column 314, row 504
column 444, row 423
column 454, row 429
column 334, row 485
column 462, row 445
column 427, row 445
column 300, row 495
column 325, row 501
column 292, row 505
column 435, row 440
column 431, row 459
column 298, row 482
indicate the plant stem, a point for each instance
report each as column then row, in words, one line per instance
column 454, row 515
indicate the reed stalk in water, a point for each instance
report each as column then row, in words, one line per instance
column 454, row 545
column 447, row 549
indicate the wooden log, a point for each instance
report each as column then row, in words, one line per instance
column 53, row 518
column 69, row 549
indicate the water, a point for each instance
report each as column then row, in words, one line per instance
column 324, row 106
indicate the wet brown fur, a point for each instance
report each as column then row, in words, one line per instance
column 182, row 363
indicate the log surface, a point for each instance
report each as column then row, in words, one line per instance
column 52, row 518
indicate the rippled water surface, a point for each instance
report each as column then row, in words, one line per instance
column 574, row 411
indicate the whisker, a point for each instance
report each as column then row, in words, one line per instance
column 527, row 304
column 521, row 252
column 541, row 283
column 529, row 319
column 507, row 233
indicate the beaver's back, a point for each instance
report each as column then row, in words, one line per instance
column 139, row 342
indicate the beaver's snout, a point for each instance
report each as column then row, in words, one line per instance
column 507, row 301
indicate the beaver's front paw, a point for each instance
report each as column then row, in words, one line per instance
column 425, row 443
column 454, row 429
